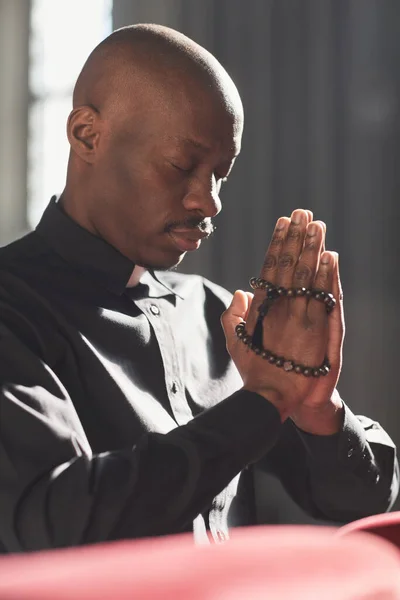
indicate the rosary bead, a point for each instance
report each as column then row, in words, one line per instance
column 253, row 282
column 288, row 365
column 273, row 294
column 280, row 361
column 300, row 291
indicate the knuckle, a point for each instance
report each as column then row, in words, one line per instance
column 286, row 261
column 294, row 234
column 311, row 244
column 270, row 262
column 303, row 273
column 277, row 240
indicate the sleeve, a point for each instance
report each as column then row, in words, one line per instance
column 54, row 492
column 341, row 477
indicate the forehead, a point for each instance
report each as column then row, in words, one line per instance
column 204, row 123
column 227, row 146
column 180, row 108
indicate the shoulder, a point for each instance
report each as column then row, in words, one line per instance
column 19, row 263
column 186, row 285
column 26, row 249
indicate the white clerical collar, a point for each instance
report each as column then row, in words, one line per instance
column 136, row 276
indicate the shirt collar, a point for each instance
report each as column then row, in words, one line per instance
column 92, row 255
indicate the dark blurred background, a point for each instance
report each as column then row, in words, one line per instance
column 320, row 85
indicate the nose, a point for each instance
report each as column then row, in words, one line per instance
column 204, row 198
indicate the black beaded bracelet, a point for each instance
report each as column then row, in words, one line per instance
column 273, row 292
column 280, row 361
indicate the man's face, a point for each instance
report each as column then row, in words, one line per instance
column 158, row 183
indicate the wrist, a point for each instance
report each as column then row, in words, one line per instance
column 326, row 419
column 274, row 397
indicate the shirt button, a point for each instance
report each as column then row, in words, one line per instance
column 154, row 309
column 174, row 388
column 350, row 452
column 221, row 536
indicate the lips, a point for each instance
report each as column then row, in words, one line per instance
column 187, row 240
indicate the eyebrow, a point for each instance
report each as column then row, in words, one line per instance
column 192, row 142
column 195, row 144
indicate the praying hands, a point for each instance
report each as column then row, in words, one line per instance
column 297, row 365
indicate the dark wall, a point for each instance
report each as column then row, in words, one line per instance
column 320, row 86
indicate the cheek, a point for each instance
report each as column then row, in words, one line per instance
column 144, row 194
column 130, row 174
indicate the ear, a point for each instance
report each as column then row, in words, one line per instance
column 83, row 130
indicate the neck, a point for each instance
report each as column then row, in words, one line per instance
column 75, row 210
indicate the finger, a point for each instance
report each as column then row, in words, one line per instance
column 323, row 224
column 336, row 318
column 250, row 297
column 307, row 266
column 270, row 264
column 291, row 248
column 337, row 289
column 323, row 281
column 310, row 215
column 235, row 314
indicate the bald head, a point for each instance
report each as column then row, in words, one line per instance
column 155, row 128
column 142, row 61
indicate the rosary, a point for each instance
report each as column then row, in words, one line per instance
column 254, row 342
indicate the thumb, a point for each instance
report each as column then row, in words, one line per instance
column 235, row 313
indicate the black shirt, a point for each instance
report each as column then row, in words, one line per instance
column 121, row 413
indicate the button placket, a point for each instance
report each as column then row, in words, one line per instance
column 160, row 316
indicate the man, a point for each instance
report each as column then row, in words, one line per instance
column 122, row 413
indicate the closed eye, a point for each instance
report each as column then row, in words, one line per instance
column 181, row 168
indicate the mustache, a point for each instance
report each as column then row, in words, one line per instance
column 204, row 225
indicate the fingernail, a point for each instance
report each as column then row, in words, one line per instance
column 297, row 217
column 322, row 224
column 326, row 259
column 281, row 223
column 312, row 229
